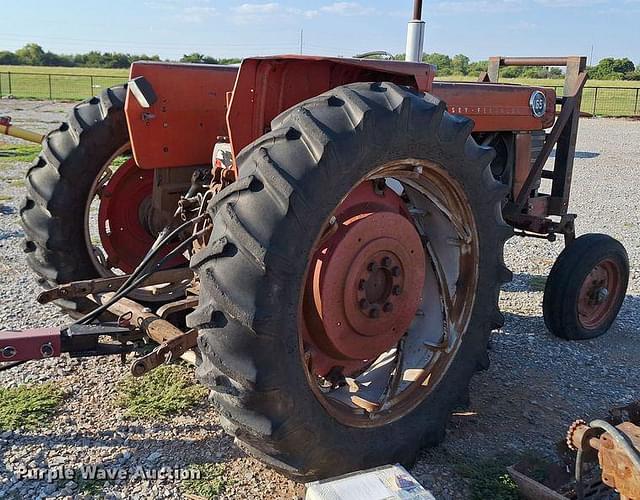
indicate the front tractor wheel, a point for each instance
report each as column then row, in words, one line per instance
column 586, row 288
column 351, row 281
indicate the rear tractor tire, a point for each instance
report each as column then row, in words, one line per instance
column 586, row 288
column 351, row 281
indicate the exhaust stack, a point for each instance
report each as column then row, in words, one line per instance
column 415, row 34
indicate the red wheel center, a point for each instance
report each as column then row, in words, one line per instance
column 366, row 280
column 125, row 203
column 598, row 294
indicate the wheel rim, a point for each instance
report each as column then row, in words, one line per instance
column 385, row 309
column 118, row 230
column 599, row 294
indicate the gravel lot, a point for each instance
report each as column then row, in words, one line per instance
column 535, row 387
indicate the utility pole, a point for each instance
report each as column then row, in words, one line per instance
column 591, row 59
column 301, row 39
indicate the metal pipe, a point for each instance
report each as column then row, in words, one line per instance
column 415, row 35
column 26, row 135
column 534, row 61
column 417, row 10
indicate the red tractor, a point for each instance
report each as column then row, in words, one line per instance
column 330, row 232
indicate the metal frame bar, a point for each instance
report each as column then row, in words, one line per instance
column 563, row 137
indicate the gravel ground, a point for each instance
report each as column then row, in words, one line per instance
column 535, row 387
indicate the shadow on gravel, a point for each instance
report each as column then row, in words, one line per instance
column 525, row 282
column 175, row 452
column 583, row 155
column 7, row 210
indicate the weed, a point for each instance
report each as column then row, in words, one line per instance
column 90, row 487
column 165, row 391
column 537, row 283
column 212, row 481
column 28, row 406
column 13, row 152
column 489, row 479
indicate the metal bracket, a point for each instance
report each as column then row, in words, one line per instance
column 165, row 353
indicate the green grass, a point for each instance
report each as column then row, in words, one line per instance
column 489, row 479
column 10, row 153
column 28, row 406
column 211, row 484
column 43, row 82
column 537, row 283
column 165, row 391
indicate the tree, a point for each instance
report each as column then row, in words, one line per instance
column 31, row 54
column 198, row 58
column 460, row 64
column 9, row 58
column 441, row 61
column 610, row 68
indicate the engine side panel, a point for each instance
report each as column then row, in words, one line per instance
column 181, row 127
column 496, row 107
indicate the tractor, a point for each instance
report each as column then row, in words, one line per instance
column 323, row 235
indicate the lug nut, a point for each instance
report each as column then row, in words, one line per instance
column 364, row 304
column 374, row 312
column 388, row 307
column 395, row 272
column 396, row 290
column 385, row 262
column 372, row 267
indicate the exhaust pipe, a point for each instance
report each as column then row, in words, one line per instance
column 415, row 34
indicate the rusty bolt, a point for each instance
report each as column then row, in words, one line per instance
column 388, row 307
column 396, row 290
column 395, row 272
column 374, row 312
column 372, row 267
column 385, row 262
column 364, row 304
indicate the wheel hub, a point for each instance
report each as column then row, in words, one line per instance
column 598, row 294
column 366, row 280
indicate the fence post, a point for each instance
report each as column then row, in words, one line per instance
column 50, row 93
column 0, row 84
column 91, row 90
column 595, row 101
column 9, row 74
column 635, row 110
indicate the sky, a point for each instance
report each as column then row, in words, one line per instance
column 227, row 28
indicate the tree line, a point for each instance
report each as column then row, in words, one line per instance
column 460, row 65
column 33, row 54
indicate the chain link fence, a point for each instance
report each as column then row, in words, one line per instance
column 55, row 86
column 600, row 101
column 609, row 101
